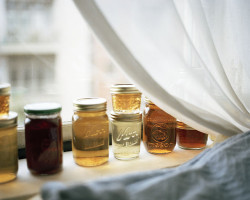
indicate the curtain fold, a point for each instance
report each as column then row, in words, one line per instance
column 189, row 57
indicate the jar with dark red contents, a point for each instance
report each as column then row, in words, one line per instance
column 189, row 138
column 43, row 138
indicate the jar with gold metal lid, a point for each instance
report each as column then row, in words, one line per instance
column 189, row 138
column 90, row 132
column 126, row 132
column 158, row 129
column 4, row 98
column 8, row 147
column 125, row 98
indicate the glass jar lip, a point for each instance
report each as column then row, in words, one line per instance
column 90, row 104
column 45, row 108
column 124, row 89
column 9, row 120
column 5, row 88
column 126, row 116
column 182, row 125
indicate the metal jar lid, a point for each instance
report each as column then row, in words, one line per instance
column 181, row 125
column 4, row 88
column 126, row 117
column 8, row 121
column 42, row 108
column 90, row 104
column 124, row 89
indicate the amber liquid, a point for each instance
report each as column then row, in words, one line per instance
column 8, row 154
column 43, row 145
column 126, row 103
column 4, row 105
column 191, row 139
column 158, row 130
column 90, row 138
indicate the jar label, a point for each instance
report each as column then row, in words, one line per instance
column 127, row 137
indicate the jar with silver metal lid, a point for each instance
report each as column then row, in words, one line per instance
column 90, row 132
column 4, row 98
column 8, row 147
column 126, row 98
column 126, row 132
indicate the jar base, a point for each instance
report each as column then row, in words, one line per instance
column 5, row 178
column 191, row 148
column 126, row 156
column 55, row 171
column 90, row 161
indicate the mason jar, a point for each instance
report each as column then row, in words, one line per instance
column 126, row 132
column 8, row 147
column 4, row 98
column 125, row 98
column 43, row 138
column 90, row 132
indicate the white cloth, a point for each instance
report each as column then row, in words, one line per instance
column 189, row 57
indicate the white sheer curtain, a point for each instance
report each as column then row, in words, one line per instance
column 189, row 57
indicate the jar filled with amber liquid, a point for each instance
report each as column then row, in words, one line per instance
column 43, row 138
column 189, row 138
column 4, row 98
column 126, row 132
column 158, row 129
column 8, row 147
column 125, row 98
column 90, row 132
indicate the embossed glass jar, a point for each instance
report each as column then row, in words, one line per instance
column 158, row 129
column 8, row 147
column 126, row 135
column 125, row 98
column 189, row 138
column 4, row 98
column 90, row 132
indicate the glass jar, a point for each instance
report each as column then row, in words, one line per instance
column 126, row 135
column 4, row 98
column 90, row 132
column 125, row 98
column 8, row 147
column 43, row 138
column 158, row 129
column 189, row 138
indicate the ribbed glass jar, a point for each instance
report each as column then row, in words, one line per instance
column 43, row 138
column 126, row 132
column 90, row 132
column 4, row 98
column 8, row 147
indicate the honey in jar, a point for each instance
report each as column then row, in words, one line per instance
column 90, row 132
column 158, row 129
column 4, row 98
column 189, row 138
column 125, row 98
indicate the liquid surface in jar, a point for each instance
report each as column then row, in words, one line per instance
column 8, row 154
column 4, row 104
column 43, row 145
column 159, row 134
column 90, row 139
column 126, row 103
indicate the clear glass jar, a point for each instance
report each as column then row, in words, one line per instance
column 43, row 138
column 189, row 138
column 126, row 132
column 158, row 129
column 125, row 98
column 4, row 98
column 90, row 132
column 8, row 147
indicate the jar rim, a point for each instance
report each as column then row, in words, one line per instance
column 124, row 89
column 5, row 88
column 9, row 120
column 90, row 104
column 126, row 116
column 45, row 108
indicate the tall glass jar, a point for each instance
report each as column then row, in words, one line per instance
column 158, row 129
column 126, row 135
column 189, row 138
column 43, row 138
column 8, row 147
column 125, row 98
column 90, row 132
column 4, row 98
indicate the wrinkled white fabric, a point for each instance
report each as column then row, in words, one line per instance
column 189, row 57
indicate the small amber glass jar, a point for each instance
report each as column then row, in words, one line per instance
column 126, row 135
column 43, row 138
column 158, row 129
column 8, row 147
column 189, row 138
column 90, row 132
column 125, row 98
column 4, row 98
